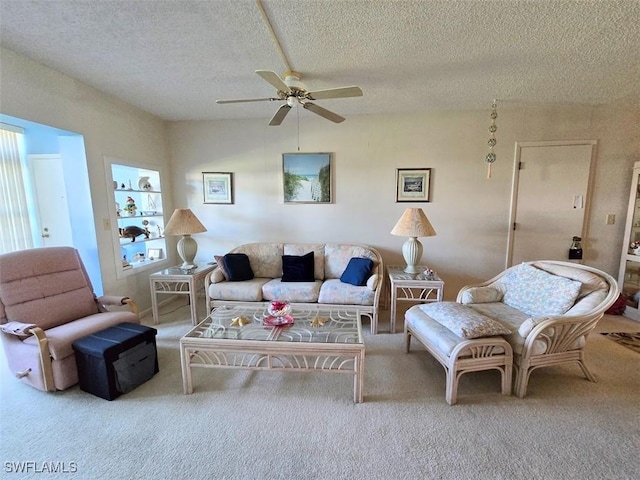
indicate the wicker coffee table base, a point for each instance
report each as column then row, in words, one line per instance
column 278, row 348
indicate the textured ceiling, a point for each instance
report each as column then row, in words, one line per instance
column 174, row 58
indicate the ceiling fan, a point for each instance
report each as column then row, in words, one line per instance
column 292, row 91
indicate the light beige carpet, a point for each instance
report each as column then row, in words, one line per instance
column 274, row 425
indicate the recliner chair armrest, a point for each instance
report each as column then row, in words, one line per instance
column 19, row 329
column 24, row 331
column 114, row 300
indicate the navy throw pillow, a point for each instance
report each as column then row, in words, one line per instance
column 238, row 267
column 357, row 272
column 298, row 268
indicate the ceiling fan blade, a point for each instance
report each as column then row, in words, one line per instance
column 341, row 92
column 323, row 112
column 279, row 116
column 274, row 80
column 244, row 100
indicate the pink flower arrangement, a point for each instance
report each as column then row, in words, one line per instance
column 279, row 308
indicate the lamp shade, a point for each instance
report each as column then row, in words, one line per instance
column 183, row 222
column 413, row 223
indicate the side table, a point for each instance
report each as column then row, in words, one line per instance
column 177, row 281
column 412, row 287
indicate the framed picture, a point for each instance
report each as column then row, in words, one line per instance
column 413, row 184
column 307, row 178
column 154, row 253
column 218, row 187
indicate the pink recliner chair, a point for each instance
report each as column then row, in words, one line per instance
column 47, row 303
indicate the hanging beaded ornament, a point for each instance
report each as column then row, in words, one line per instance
column 491, row 156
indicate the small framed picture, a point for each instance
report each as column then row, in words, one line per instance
column 413, row 184
column 154, row 253
column 217, row 187
column 307, row 178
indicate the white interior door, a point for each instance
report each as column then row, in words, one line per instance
column 550, row 199
column 50, row 195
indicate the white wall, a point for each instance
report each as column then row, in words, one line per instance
column 469, row 212
column 110, row 127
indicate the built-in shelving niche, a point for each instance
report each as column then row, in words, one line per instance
column 140, row 185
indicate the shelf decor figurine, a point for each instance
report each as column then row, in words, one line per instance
column 130, row 207
column 133, row 231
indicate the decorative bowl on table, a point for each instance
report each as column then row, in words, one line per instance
column 278, row 314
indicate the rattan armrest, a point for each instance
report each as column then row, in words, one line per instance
column 45, row 358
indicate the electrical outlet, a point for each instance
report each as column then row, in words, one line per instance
column 611, row 219
column 106, row 224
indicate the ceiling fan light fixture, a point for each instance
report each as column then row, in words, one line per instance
column 293, row 80
column 292, row 101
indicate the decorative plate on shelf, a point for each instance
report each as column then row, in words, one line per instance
column 143, row 183
column 274, row 321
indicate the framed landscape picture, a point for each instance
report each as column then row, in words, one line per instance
column 413, row 184
column 217, row 187
column 307, row 178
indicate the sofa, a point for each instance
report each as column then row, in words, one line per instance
column 338, row 277
column 544, row 310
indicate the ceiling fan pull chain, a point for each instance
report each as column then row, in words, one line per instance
column 298, row 114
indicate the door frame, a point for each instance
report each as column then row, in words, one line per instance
column 513, row 208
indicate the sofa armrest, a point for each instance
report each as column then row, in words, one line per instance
column 217, row 276
column 529, row 324
column 115, row 300
column 555, row 334
column 214, row 276
column 19, row 329
column 372, row 282
column 479, row 295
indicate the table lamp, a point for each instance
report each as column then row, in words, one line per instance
column 413, row 223
column 184, row 222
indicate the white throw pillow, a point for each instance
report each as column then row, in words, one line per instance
column 538, row 293
column 464, row 321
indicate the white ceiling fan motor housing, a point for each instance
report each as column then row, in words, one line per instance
column 292, row 80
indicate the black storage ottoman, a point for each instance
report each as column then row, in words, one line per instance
column 116, row 360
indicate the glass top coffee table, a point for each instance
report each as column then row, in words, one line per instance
column 328, row 340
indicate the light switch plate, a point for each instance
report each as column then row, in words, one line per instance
column 611, row 219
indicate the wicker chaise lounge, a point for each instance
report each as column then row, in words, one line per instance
column 544, row 310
